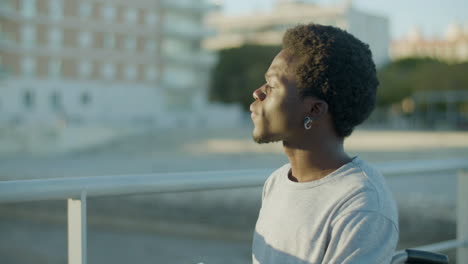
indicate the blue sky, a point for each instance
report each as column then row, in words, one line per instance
column 432, row 16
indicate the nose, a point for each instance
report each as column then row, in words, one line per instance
column 259, row 94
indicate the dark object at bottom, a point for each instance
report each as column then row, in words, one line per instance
column 423, row 257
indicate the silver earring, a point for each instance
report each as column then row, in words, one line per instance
column 308, row 123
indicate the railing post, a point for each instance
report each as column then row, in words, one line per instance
column 77, row 230
column 462, row 215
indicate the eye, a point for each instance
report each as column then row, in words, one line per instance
column 268, row 88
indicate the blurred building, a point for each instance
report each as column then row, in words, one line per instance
column 453, row 47
column 104, row 60
column 268, row 28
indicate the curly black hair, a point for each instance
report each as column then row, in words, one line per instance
column 336, row 67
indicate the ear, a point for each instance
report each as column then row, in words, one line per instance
column 314, row 107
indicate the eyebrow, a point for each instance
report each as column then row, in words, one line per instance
column 268, row 76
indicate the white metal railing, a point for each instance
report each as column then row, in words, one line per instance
column 402, row 256
column 77, row 190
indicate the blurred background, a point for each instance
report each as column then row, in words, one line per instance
column 113, row 87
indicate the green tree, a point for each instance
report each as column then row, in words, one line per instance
column 402, row 78
column 239, row 72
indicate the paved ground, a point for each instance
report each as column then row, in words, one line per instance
column 46, row 244
column 169, row 151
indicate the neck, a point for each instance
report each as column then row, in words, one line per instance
column 312, row 161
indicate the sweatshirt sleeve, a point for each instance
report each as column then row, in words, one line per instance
column 361, row 237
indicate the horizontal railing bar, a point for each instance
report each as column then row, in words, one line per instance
column 402, row 255
column 443, row 246
column 64, row 188
column 417, row 166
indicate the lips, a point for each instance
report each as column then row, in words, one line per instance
column 253, row 113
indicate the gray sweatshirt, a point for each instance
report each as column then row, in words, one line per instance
column 347, row 217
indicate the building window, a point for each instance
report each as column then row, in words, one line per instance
column 55, row 37
column 55, row 68
column 130, row 43
column 108, row 12
column 151, row 73
column 28, row 100
column 55, row 101
column 175, row 46
column 131, row 16
column 85, row 69
column 7, row 5
column 150, row 46
column 109, row 41
column 28, row 8
column 56, row 9
column 85, row 99
column 130, row 72
column 28, row 36
column 3, row 70
column 85, row 39
column 108, row 71
column 182, row 23
column 151, row 19
column 85, row 10
column 179, row 77
column 461, row 51
column 28, row 66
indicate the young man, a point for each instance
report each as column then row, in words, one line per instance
column 323, row 206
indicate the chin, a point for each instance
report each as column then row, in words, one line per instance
column 265, row 138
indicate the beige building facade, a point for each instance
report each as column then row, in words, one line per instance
column 452, row 48
column 267, row 28
column 104, row 60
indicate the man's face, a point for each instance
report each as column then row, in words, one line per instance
column 277, row 112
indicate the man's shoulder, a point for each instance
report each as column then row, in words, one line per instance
column 360, row 175
column 365, row 189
